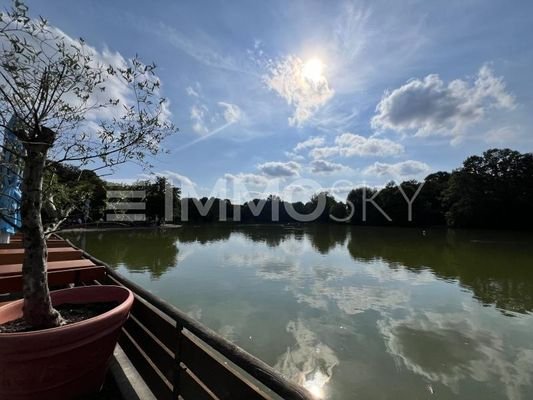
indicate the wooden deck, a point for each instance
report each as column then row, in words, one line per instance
column 177, row 357
column 66, row 265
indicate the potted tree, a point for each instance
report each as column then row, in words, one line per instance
column 67, row 104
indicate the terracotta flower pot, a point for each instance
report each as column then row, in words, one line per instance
column 64, row 362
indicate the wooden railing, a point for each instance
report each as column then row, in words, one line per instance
column 179, row 358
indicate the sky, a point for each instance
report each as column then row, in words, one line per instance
column 293, row 97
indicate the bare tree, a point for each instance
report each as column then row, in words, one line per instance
column 70, row 106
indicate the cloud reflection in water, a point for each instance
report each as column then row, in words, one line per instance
column 449, row 349
column 310, row 363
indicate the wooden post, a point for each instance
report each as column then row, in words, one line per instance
column 177, row 361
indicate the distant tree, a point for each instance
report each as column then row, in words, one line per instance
column 158, row 193
column 389, row 206
column 326, row 202
column 493, row 190
column 339, row 210
column 430, row 202
column 390, row 200
column 365, row 213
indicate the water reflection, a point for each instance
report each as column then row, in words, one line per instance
column 496, row 266
column 325, row 238
column 348, row 311
column 448, row 349
column 152, row 251
column 310, row 362
column 203, row 234
column 271, row 235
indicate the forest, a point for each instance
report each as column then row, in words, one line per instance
column 492, row 190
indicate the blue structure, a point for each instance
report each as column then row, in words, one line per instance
column 10, row 179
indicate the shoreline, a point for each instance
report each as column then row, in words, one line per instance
column 118, row 228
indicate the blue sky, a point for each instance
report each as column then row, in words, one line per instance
column 336, row 93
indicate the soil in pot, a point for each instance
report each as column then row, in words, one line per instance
column 70, row 312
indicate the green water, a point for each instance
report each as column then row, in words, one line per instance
column 352, row 313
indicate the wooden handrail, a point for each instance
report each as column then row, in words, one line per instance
column 257, row 368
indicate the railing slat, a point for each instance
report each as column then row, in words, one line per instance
column 165, row 330
column 157, row 384
column 177, row 359
column 193, row 389
column 153, row 319
column 222, row 380
column 159, row 355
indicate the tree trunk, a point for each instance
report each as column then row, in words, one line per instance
column 38, row 310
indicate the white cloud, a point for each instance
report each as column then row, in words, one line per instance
column 349, row 145
column 430, row 106
column 357, row 145
column 203, row 121
column 192, row 92
column 404, row 169
column 209, row 121
column 109, row 101
column 198, row 117
column 503, row 135
column 293, row 156
column 309, row 143
column 296, row 189
column 280, row 169
column 300, row 190
column 342, row 188
column 200, row 47
column 232, row 112
column 123, row 181
column 186, row 184
column 286, row 78
column 116, row 88
column 247, row 179
column 324, row 152
column 177, row 179
column 326, row 167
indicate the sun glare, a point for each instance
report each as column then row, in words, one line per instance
column 316, row 385
column 312, row 70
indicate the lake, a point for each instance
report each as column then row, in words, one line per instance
column 351, row 312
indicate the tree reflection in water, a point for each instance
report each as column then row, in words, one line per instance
column 495, row 266
column 145, row 250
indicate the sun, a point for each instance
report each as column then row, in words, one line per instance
column 312, row 70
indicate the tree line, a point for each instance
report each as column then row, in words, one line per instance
column 493, row 190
